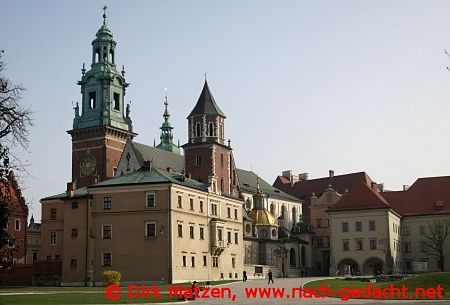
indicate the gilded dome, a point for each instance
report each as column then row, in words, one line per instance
column 262, row 217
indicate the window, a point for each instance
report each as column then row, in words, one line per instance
column 92, row 100
column 229, row 237
column 373, row 244
column 358, row 226
column 421, row 230
column 204, row 260
column 213, row 208
column 150, row 229
column 201, row 206
column 180, row 201
column 236, row 237
column 192, row 261
column 319, row 242
column 184, row 260
column 74, row 232
column 219, row 234
column 198, row 160
column 106, row 203
column 423, row 246
column 75, row 205
column 407, row 247
column 57, row 257
column 233, row 262
column 345, row 245
column 408, row 265
column 107, row 259
column 345, row 227
column 17, row 224
column 191, row 204
column 198, row 129
column 221, row 161
column 49, row 257
column 106, row 232
column 180, row 230
column 35, row 256
column 116, row 101
column 318, row 222
column 52, row 238
column 150, row 200
column 359, row 245
column 228, row 212
column 202, row 235
column 210, row 129
column 405, row 230
column 235, row 214
column 371, row 225
column 221, row 185
column 215, row 261
column 73, row 263
column 191, row 231
column 52, row 214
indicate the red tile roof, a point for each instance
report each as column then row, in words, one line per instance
column 360, row 197
column 422, row 197
column 303, row 189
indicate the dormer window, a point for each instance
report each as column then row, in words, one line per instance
column 440, row 205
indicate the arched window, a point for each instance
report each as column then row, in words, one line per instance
column 294, row 216
column 221, row 184
column 292, row 258
column 303, row 255
column 221, row 160
column 248, row 228
column 272, row 209
column 211, row 129
column 197, row 129
column 283, row 211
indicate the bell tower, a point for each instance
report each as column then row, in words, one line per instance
column 103, row 127
column 207, row 158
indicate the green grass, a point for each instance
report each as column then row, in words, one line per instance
column 430, row 280
column 81, row 295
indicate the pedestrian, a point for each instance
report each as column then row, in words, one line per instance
column 244, row 276
column 270, row 277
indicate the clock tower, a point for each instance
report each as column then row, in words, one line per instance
column 102, row 124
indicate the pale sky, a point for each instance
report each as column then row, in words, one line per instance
column 306, row 85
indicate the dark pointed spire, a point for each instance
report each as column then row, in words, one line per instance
column 206, row 103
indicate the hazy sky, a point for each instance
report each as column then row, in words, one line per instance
column 306, row 85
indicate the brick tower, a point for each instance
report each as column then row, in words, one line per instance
column 207, row 158
column 104, row 126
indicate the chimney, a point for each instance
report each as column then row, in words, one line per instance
column 147, row 165
column 71, row 188
column 331, row 173
column 380, row 187
column 405, row 187
column 287, row 174
column 303, row 176
column 374, row 186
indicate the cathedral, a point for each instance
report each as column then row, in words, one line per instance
column 162, row 213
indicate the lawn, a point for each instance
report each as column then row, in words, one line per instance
column 416, row 285
column 79, row 295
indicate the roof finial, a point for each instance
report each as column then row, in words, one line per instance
column 205, row 77
column 257, row 183
column 166, row 114
column 104, row 14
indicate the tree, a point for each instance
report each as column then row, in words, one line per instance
column 438, row 230
column 15, row 121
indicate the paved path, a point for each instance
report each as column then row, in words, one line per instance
column 239, row 290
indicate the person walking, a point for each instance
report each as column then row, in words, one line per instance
column 244, row 276
column 270, row 277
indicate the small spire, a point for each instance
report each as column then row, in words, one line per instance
column 166, row 114
column 32, row 219
column 229, row 143
column 178, row 143
column 257, row 183
column 123, row 71
column 104, row 15
column 83, row 70
column 205, row 77
column 154, row 143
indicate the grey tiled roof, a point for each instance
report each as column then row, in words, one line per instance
column 160, row 158
column 206, row 103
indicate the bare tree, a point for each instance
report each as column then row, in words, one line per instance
column 15, row 121
column 439, row 230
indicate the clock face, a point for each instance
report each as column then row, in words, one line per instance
column 88, row 166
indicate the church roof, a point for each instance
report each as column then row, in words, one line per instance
column 262, row 217
column 152, row 176
column 206, row 104
column 160, row 158
column 247, row 183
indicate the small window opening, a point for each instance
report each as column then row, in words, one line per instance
column 116, row 101
column 92, row 100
